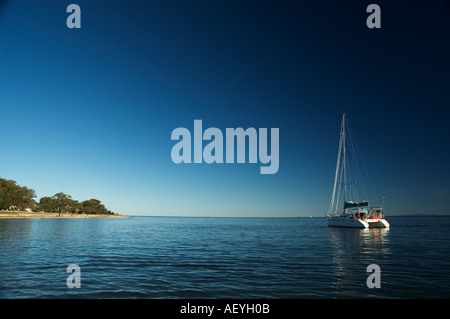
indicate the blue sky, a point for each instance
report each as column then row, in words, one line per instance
column 90, row 111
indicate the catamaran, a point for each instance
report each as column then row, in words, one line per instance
column 355, row 214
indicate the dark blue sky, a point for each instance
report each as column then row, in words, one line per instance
column 90, row 111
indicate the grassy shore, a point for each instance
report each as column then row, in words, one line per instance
column 9, row 214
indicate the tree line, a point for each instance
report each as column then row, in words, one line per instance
column 16, row 197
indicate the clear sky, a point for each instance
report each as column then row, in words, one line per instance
column 90, row 111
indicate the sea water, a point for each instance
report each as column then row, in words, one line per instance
column 196, row 257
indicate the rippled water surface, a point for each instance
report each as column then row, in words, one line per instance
column 176, row 257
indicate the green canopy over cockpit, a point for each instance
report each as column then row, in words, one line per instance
column 356, row 204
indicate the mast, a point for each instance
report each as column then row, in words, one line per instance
column 343, row 145
column 333, row 204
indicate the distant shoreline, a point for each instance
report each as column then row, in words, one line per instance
column 24, row 215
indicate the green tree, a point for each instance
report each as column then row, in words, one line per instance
column 64, row 203
column 24, row 198
column 47, row 204
column 13, row 196
column 74, row 207
column 93, row 206
column 59, row 203
column 6, row 188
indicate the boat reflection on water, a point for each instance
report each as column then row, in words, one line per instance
column 352, row 251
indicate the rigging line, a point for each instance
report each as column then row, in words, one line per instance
column 359, row 190
column 371, row 186
column 366, row 176
column 332, row 203
column 339, row 182
column 339, row 190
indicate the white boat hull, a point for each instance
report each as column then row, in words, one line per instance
column 378, row 223
column 346, row 221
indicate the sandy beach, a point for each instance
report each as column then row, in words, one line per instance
column 7, row 214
